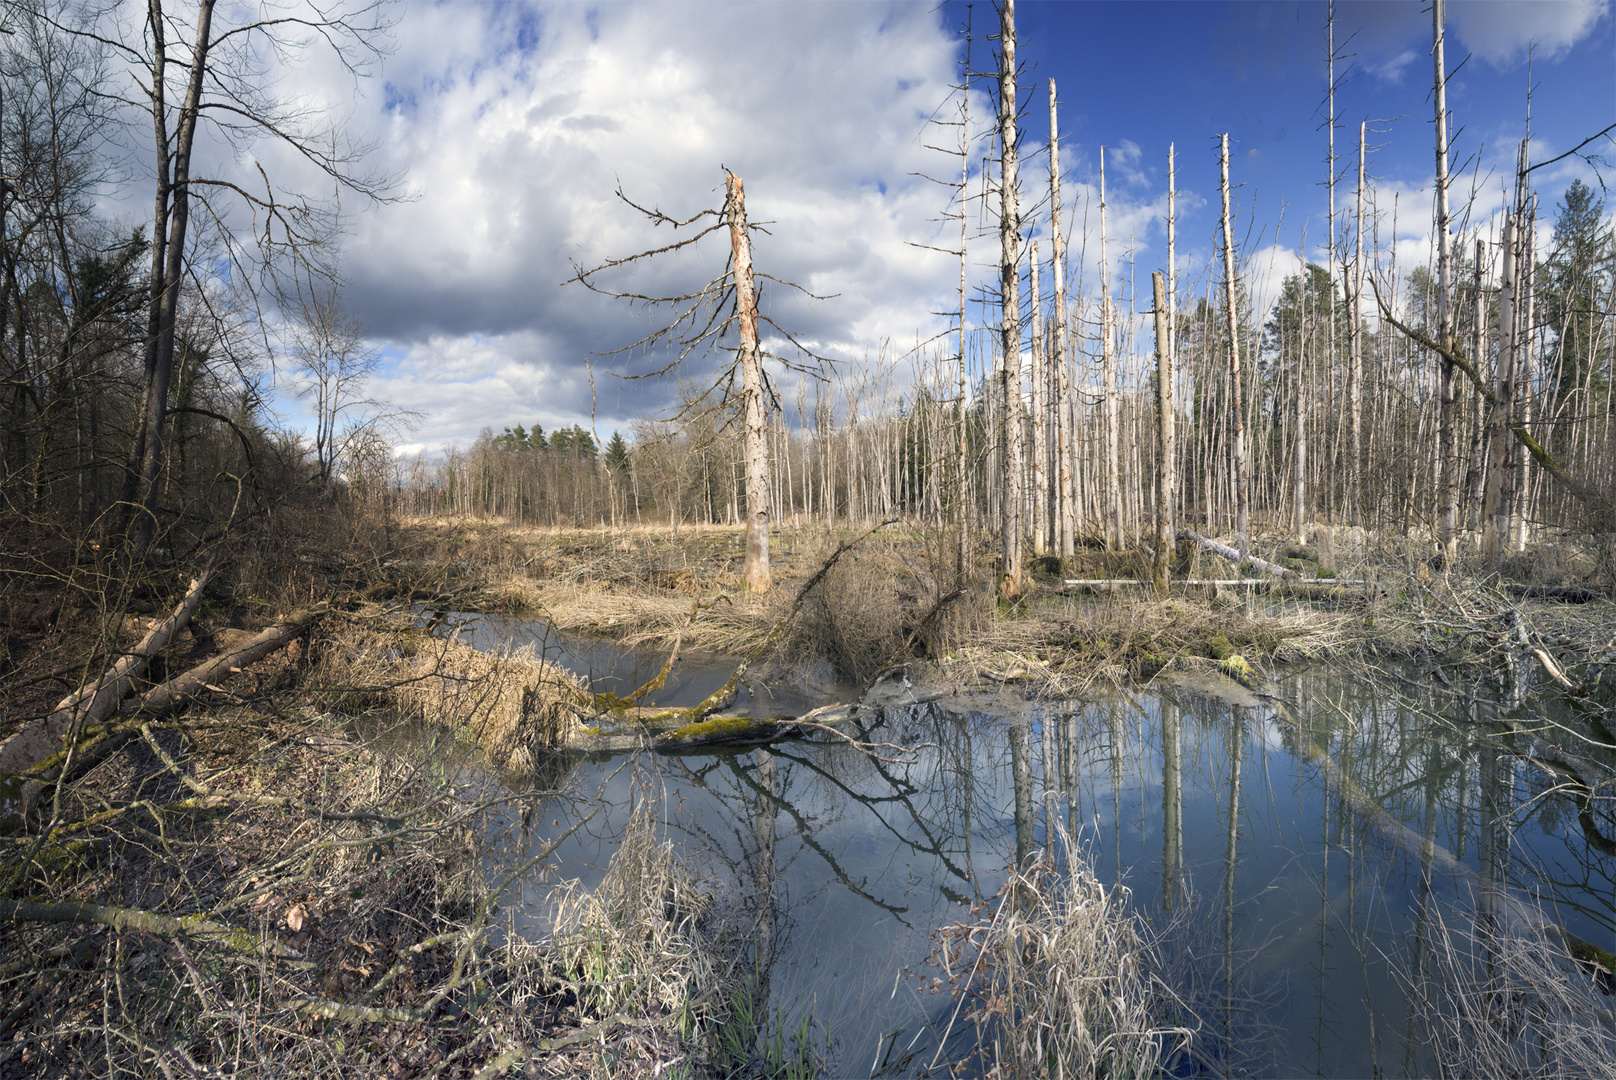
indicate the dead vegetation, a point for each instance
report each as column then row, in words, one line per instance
column 1056, row 978
column 1489, row 1002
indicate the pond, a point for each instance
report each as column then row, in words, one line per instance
column 1291, row 914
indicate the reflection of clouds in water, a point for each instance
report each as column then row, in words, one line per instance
column 871, row 857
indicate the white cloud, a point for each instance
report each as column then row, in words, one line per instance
column 1500, row 31
column 514, row 154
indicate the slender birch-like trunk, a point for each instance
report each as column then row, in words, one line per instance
column 1526, row 366
column 1040, row 421
column 1496, row 508
column 1242, row 498
column 1172, row 270
column 1063, row 404
column 1108, row 376
column 1167, row 446
column 1476, row 467
column 1010, row 308
column 755, row 438
column 1355, row 353
column 1448, row 497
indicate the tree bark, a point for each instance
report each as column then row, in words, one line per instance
column 1448, row 496
column 1063, row 402
column 1355, row 353
column 1167, row 448
column 755, row 414
column 170, row 225
column 1040, row 422
column 1108, row 376
column 1242, row 524
column 1013, row 460
column 96, row 702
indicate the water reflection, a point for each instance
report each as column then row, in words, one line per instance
column 1297, row 850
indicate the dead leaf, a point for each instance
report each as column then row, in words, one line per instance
column 296, row 917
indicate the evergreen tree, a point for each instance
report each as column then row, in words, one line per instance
column 617, row 454
column 1576, row 289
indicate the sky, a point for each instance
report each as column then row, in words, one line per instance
column 508, row 128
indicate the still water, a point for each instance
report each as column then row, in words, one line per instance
column 1290, row 917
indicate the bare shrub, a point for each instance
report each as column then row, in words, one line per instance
column 641, row 942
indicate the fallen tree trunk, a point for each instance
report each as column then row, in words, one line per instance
column 92, row 704
column 123, row 918
column 1570, row 594
column 678, row 732
column 1234, row 556
column 180, row 689
column 96, row 741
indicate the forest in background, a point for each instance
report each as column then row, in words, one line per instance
column 1336, row 415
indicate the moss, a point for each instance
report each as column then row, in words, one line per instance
column 1589, row 953
column 719, row 727
column 1234, row 665
column 1219, row 647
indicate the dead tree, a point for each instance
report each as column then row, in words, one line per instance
column 1448, row 496
column 1012, row 461
column 1242, row 498
column 702, row 319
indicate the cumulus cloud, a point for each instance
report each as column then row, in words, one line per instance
column 518, row 124
column 1500, row 31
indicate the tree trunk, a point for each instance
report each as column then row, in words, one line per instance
column 1108, row 376
column 1063, row 403
column 1448, row 496
column 1166, row 477
column 1242, row 521
column 755, row 447
column 96, row 702
column 1355, row 355
column 171, row 219
column 1012, row 463
column 1040, row 422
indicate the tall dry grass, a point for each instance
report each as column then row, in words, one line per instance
column 1060, row 981
column 1495, row 1002
column 514, row 704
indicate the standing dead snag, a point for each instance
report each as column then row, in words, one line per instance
column 1012, row 461
column 751, row 361
column 701, row 320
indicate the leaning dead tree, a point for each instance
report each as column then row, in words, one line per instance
column 727, row 305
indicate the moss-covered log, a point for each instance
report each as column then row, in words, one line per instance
column 672, row 731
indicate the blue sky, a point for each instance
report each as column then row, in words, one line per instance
column 510, row 125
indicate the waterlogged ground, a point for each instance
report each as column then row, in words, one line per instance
column 1291, row 920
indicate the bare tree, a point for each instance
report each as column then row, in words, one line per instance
column 1010, row 307
column 702, row 319
column 1237, row 404
column 1448, row 495
column 329, row 349
column 217, row 74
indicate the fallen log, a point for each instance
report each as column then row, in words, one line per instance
column 677, row 733
column 198, row 927
column 92, row 704
column 1227, row 552
column 98, row 740
column 1570, row 594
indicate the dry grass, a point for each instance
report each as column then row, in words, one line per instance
column 1058, row 982
column 642, row 941
column 1492, row 1002
column 513, row 704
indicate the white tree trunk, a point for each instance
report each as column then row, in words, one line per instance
column 755, row 436
column 1242, row 511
